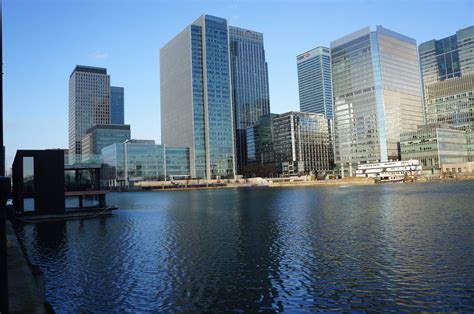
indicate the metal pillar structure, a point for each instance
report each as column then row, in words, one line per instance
column 125, row 148
column 5, row 187
column 2, row 148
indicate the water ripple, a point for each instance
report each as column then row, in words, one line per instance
column 376, row 248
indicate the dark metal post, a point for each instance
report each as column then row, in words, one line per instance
column 5, row 187
column 81, row 201
column 2, row 149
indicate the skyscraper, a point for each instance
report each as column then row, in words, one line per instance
column 89, row 104
column 447, row 57
column 447, row 67
column 314, row 81
column 116, row 105
column 196, row 102
column 377, row 93
column 250, row 92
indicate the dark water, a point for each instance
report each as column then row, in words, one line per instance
column 380, row 248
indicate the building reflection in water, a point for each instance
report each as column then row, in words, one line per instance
column 222, row 254
column 394, row 247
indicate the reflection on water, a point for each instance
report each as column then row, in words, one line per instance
column 384, row 247
column 72, row 202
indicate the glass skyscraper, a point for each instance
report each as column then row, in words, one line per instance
column 89, row 104
column 250, row 93
column 196, row 102
column 447, row 67
column 377, row 94
column 448, row 57
column 314, row 81
column 116, row 105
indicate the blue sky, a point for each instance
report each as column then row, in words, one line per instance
column 44, row 40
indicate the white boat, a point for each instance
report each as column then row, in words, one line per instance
column 387, row 178
column 390, row 171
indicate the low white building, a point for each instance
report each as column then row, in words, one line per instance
column 389, row 169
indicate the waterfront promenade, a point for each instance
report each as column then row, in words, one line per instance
column 278, row 182
column 24, row 294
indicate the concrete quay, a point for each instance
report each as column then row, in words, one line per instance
column 25, row 291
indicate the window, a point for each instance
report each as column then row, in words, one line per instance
column 28, row 204
column 28, row 175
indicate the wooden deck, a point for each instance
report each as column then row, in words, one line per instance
column 71, row 214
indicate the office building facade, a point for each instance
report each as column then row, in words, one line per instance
column 196, row 102
column 259, row 138
column 89, row 104
column 448, row 57
column 100, row 136
column 451, row 101
column 447, row 67
column 250, row 93
column 259, row 148
column 314, row 81
column 377, row 94
column 435, row 145
column 470, row 143
column 143, row 160
column 117, row 115
column 301, row 143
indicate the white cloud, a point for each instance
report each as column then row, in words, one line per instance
column 100, row 55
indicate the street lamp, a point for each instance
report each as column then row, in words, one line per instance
column 125, row 148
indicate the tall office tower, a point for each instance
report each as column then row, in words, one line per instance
column 116, row 105
column 301, row 143
column 89, row 104
column 314, row 81
column 377, row 94
column 250, row 93
column 447, row 67
column 315, row 85
column 196, row 103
